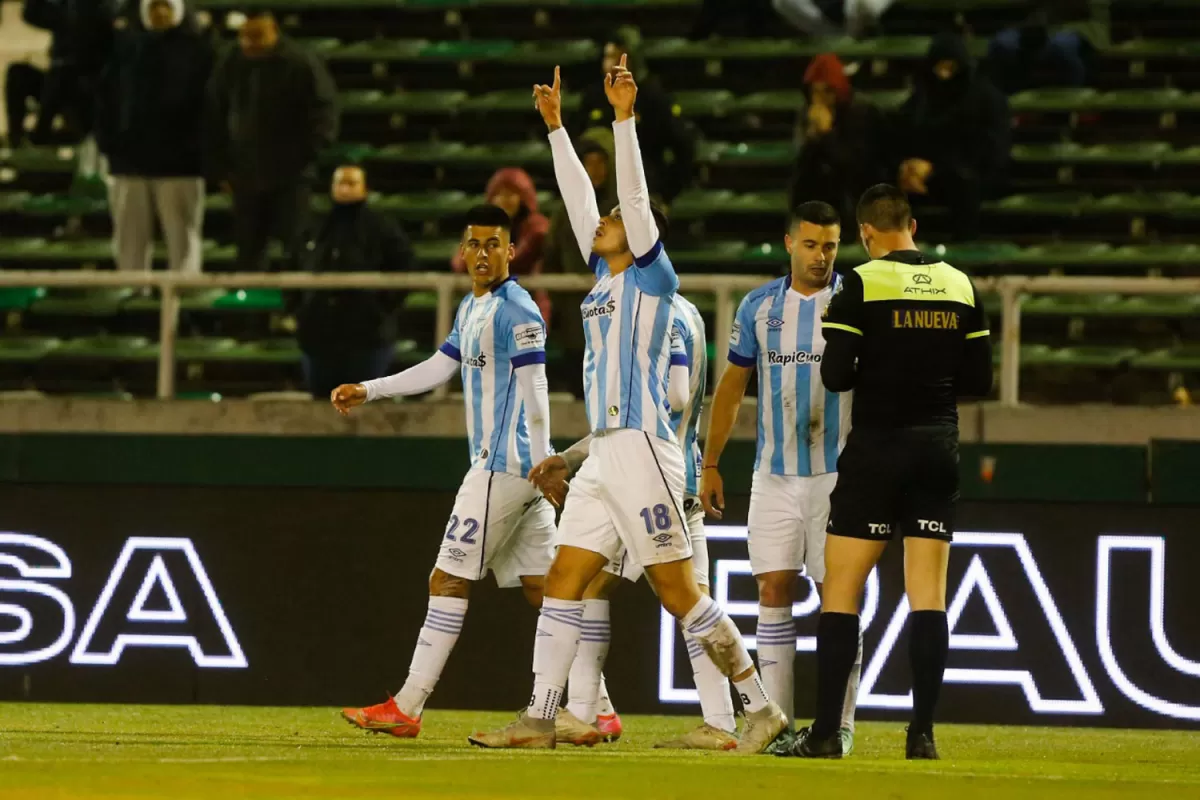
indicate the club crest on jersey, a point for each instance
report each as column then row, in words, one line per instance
column 478, row 362
column 777, row 359
column 602, row 310
column 613, row 411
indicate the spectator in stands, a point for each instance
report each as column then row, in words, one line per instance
column 597, row 151
column 753, row 18
column 1055, row 47
column 80, row 38
column 512, row 189
column 349, row 336
column 951, row 136
column 272, row 110
column 838, row 156
column 150, row 113
column 668, row 144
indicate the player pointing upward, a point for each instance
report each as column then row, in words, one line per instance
column 499, row 522
column 629, row 492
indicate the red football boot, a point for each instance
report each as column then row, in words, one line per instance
column 384, row 718
column 610, row 726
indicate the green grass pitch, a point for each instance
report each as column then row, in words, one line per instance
column 75, row 751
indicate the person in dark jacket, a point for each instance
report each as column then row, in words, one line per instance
column 838, row 156
column 150, row 111
column 80, row 39
column 349, row 336
column 952, row 136
column 668, row 144
column 271, row 111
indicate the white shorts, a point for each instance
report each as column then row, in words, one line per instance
column 622, row 566
column 500, row 523
column 787, row 522
column 628, row 495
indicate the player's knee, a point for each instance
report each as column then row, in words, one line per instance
column 601, row 587
column 777, row 589
column 676, row 587
column 443, row 584
column 564, row 582
column 533, row 587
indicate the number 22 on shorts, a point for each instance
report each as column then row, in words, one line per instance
column 470, row 526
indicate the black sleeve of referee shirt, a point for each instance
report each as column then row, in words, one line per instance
column 975, row 374
column 842, row 328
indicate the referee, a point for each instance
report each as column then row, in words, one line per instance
column 908, row 334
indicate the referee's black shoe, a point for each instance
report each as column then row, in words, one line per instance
column 810, row 745
column 920, row 746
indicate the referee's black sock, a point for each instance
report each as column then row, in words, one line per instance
column 837, row 650
column 928, row 643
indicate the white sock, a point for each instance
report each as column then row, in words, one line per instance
column 584, row 684
column 720, row 638
column 604, row 704
column 777, row 656
column 752, row 693
column 715, row 702
column 851, row 701
column 553, row 651
column 443, row 623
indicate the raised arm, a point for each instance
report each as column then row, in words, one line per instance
column 574, row 185
column 632, row 191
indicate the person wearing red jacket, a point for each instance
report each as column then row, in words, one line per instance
column 512, row 189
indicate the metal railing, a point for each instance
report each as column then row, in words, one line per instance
column 1011, row 289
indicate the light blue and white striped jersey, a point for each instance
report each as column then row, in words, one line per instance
column 627, row 331
column 688, row 344
column 802, row 428
column 493, row 335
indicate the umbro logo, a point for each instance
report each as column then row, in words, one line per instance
column 454, row 551
column 774, row 322
column 422, row 643
column 922, row 279
column 663, row 538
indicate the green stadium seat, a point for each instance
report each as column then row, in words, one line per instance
column 1094, row 356
column 202, row 348
column 421, row 301
column 977, row 253
column 887, row 99
column 347, row 153
column 761, row 203
column 1153, row 48
column 710, row 254
column 1157, row 254
column 674, row 48
column 1128, row 152
column 714, row 103
column 699, row 203
column 467, row 50
column 1163, row 305
column 439, row 251
column 38, row 159
column 513, row 101
column 27, row 347
column 267, row 351
column 249, row 300
column 106, row 347
column 426, row 206
column 1140, row 203
column 1032, row 355
column 189, row 300
column 882, row 47
column 1058, row 254
column 90, row 302
column 786, row 102
column 373, row 101
column 419, row 152
column 1163, row 99
column 770, row 253
column 60, row 205
column 1051, row 100
column 508, row 154
column 379, row 50
column 1056, row 204
column 19, row 298
column 553, row 53
column 1187, row 155
column 13, row 201
column 1071, row 305
column 1182, row 358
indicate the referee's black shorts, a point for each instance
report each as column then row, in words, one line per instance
column 903, row 480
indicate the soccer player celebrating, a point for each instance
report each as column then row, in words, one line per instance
column 686, row 387
column 500, row 522
column 629, row 493
column 801, row 429
column 909, row 335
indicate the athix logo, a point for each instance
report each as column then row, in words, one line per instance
column 1023, row 616
column 922, row 279
column 157, row 615
column 602, row 310
column 777, row 359
column 478, row 362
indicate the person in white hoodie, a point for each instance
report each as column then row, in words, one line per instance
column 150, row 125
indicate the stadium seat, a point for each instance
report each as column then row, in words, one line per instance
column 1032, row 355
column 106, row 347
column 202, row 348
column 1043, row 204
column 1182, row 358
column 27, row 347
column 373, row 101
column 705, row 104
column 271, row 351
column 91, row 302
column 249, row 300
column 783, row 101
column 1094, row 356
column 18, row 298
column 1057, row 99
column 1071, row 305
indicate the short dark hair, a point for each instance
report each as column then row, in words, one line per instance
column 885, row 208
column 487, row 215
column 816, row 212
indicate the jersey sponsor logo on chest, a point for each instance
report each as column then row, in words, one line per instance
column 924, row 319
column 478, row 362
column 777, row 359
column 600, row 310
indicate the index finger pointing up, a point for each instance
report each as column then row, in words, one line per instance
column 624, row 56
column 557, row 80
